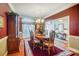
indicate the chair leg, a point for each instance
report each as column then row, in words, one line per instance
column 53, row 49
column 49, row 50
column 43, row 47
column 33, row 46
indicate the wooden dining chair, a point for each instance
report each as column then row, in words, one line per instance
column 34, row 41
column 49, row 44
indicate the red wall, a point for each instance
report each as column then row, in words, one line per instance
column 3, row 9
column 73, row 12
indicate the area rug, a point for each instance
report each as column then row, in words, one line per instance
column 38, row 52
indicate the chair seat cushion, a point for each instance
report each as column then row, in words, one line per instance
column 36, row 41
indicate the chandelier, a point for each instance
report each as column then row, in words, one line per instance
column 39, row 20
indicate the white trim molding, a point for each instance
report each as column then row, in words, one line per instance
column 74, row 50
column 11, row 7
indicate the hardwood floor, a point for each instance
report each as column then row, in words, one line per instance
column 21, row 50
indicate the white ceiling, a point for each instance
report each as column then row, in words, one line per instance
column 39, row 9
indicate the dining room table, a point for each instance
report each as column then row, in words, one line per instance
column 42, row 38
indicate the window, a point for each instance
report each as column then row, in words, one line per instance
column 26, row 30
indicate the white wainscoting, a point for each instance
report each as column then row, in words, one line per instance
column 73, row 43
column 3, row 46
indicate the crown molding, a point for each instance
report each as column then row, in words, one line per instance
column 61, row 9
column 11, row 7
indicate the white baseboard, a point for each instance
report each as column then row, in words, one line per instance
column 74, row 50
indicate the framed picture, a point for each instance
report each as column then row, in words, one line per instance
column 1, row 21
